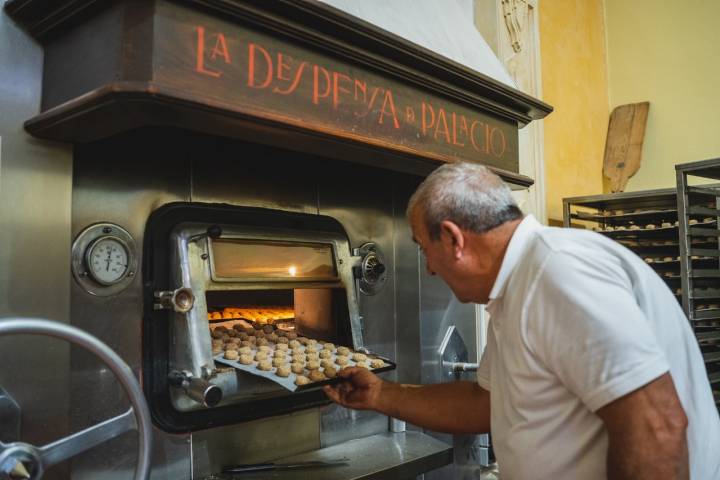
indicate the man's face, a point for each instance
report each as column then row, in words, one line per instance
column 445, row 257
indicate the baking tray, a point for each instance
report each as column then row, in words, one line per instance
column 289, row 381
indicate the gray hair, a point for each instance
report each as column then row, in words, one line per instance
column 467, row 194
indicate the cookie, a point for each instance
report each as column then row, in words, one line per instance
column 316, row 375
column 278, row 361
column 246, row 359
column 297, row 367
column 330, row 372
column 327, row 363
column 325, row 354
column 341, row 360
column 231, row 354
column 329, row 346
column 265, row 365
column 301, row 380
column 343, row 351
column 312, row 365
column 281, row 347
column 282, row 371
column 376, row 363
column 359, row 357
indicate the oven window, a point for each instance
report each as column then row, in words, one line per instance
column 254, row 259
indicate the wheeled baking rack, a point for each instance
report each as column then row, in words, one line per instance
column 645, row 222
column 698, row 199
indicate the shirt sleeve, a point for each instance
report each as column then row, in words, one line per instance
column 583, row 323
column 483, row 371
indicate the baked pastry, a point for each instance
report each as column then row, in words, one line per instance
column 245, row 350
column 297, row 367
column 311, row 349
column 282, row 371
column 313, row 357
column 361, row 365
column 265, row 366
column 282, row 347
column 303, row 340
column 246, row 359
column 329, row 346
column 247, row 343
column 341, row 360
column 279, row 353
column 272, row 337
column 282, row 341
column 217, row 333
column 376, row 363
column 217, row 349
column 312, row 365
column 264, row 348
column 330, row 372
column 262, row 341
column 231, row 333
column 291, row 335
column 312, row 342
column 325, row 354
column 301, row 380
column 343, row 351
column 299, row 357
column 316, row 375
column 231, row 354
column 261, row 356
column 359, row 357
column 294, row 344
column 268, row 329
column 278, row 361
column 326, row 363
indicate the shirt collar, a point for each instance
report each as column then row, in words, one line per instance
column 514, row 253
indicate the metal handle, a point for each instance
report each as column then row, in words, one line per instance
column 202, row 391
column 35, row 459
column 461, row 366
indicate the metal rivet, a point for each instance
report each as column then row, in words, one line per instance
column 340, row 261
column 204, row 256
column 131, row 274
column 107, row 229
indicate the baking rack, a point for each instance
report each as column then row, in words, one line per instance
column 645, row 222
column 699, row 198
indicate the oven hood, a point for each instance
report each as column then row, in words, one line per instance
column 297, row 73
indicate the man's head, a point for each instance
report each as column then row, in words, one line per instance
column 462, row 216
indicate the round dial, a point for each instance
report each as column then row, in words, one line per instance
column 107, row 260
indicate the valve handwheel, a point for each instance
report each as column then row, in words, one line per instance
column 18, row 459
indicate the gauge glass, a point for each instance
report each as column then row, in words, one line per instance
column 108, row 260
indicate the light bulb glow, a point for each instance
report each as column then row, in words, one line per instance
column 292, row 270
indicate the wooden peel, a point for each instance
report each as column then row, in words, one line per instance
column 623, row 147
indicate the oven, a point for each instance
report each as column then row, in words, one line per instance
column 180, row 176
column 215, row 272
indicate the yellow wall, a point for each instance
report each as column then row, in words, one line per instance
column 574, row 81
column 668, row 53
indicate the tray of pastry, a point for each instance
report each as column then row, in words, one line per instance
column 286, row 358
column 602, row 215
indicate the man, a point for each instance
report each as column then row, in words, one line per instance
column 591, row 370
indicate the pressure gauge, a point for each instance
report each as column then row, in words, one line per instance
column 104, row 259
column 107, row 260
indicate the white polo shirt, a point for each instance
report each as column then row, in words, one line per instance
column 577, row 321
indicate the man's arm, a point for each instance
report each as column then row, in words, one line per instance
column 646, row 433
column 457, row 407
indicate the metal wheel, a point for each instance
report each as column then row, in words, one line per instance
column 22, row 460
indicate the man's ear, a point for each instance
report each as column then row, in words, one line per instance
column 452, row 238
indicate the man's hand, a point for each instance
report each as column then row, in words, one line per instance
column 360, row 389
column 647, row 434
column 455, row 407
